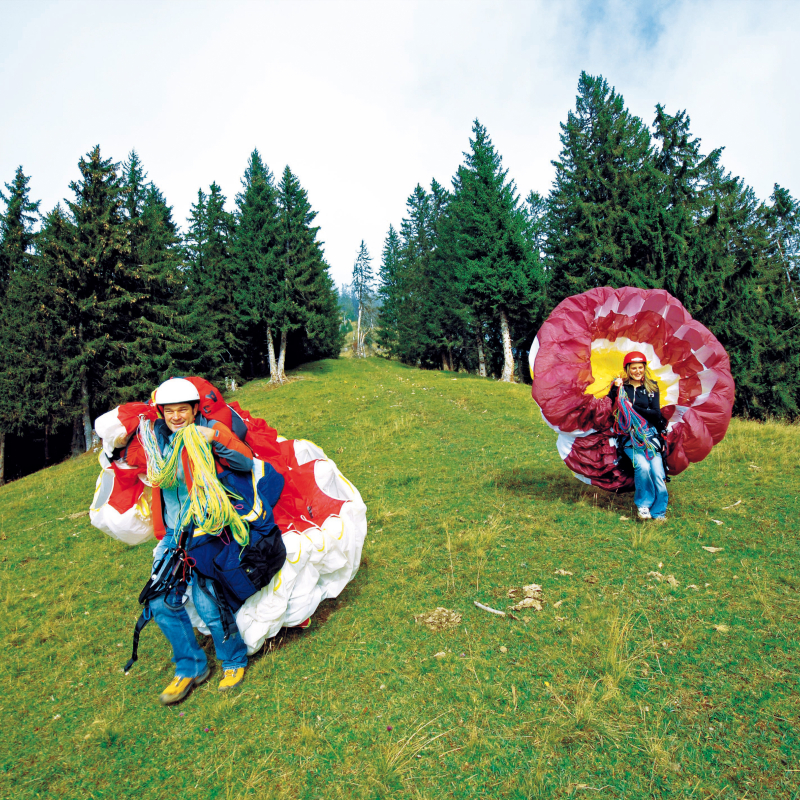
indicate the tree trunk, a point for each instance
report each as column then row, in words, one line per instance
column 77, row 437
column 444, row 360
column 450, row 357
column 481, row 355
column 2, row 457
column 273, row 366
column 46, row 444
column 359, row 346
column 282, row 359
column 87, row 415
column 508, row 356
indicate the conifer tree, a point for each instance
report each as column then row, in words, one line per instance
column 687, row 181
column 535, row 216
column 414, row 341
column 212, row 284
column 97, row 286
column 603, row 206
column 721, row 256
column 256, row 251
column 34, row 380
column 16, row 242
column 783, row 219
column 307, row 303
column 363, row 284
column 500, row 277
column 389, row 290
column 447, row 317
column 156, row 339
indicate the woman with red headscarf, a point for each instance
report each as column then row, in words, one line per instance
column 644, row 450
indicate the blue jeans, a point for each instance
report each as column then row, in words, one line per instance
column 649, row 480
column 189, row 659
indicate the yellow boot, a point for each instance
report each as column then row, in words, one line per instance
column 231, row 679
column 180, row 687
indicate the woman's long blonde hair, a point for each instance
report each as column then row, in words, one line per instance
column 648, row 381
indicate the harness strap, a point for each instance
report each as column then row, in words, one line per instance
column 144, row 618
column 169, row 574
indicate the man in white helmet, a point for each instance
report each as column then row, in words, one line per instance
column 178, row 401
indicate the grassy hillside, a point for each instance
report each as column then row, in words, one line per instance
column 626, row 684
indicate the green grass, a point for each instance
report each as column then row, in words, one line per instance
column 625, row 689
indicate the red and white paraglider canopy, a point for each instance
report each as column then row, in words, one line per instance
column 578, row 352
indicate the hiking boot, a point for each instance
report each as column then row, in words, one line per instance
column 659, row 519
column 644, row 513
column 231, row 679
column 180, row 687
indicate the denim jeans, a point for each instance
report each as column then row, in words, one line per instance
column 189, row 659
column 649, row 480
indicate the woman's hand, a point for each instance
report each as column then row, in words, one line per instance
column 206, row 433
column 618, row 382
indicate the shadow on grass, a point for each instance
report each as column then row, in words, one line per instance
column 533, row 483
column 323, row 367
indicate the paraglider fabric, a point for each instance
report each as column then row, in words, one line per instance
column 579, row 351
column 319, row 513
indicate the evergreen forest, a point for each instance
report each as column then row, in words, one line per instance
column 105, row 296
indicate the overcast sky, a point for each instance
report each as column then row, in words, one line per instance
column 363, row 100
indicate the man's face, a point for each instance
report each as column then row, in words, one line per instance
column 179, row 415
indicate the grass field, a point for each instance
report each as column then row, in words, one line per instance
column 655, row 669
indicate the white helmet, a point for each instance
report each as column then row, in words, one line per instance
column 177, row 390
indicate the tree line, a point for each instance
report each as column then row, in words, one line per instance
column 103, row 298
column 474, row 270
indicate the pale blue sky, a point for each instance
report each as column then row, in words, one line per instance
column 365, row 99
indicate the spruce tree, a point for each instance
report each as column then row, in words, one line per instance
column 306, row 307
column 389, row 291
column 687, row 181
column 722, row 255
column 501, row 280
column 211, row 279
column 98, row 288
column 415, row 344
column 535, row 216
column 446, row 315
column 363, row 284
column 33, row 380
column 783, row 219
column 17, row 239
column 256, row 253
column 603, row 208
column 156, row 339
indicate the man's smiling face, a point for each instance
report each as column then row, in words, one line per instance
column 179, row 415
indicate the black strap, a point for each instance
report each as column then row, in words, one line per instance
column 144, row 618
column 167, row 575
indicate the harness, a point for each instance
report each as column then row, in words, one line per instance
column 173, row 572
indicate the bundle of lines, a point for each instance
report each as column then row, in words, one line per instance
column 627, row 422
column 208, row 505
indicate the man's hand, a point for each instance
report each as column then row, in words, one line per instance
column 206, row 433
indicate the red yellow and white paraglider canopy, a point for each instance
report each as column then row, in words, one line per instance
column 579, row 351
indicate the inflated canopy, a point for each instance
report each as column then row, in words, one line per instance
column 579, row 351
